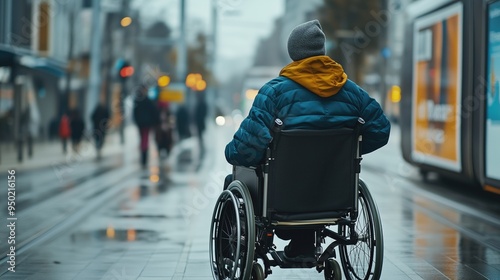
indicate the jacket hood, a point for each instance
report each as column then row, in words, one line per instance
column 319, row 74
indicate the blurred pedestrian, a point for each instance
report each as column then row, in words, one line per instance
column 146, row 117
column 28, row 130
column 163, row 131
column 183, row 122
column 77, row 125
column 64, row 131
column 312, row 92
column 200, row 115
column 100, row 122
column 31, row 119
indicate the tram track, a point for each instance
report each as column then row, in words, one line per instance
column 68, row 209
column 40, row 184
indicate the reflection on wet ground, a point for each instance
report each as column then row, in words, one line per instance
column 139, row 216
column 427, row 238
column 112, row 234
column 156, row 227
column 43, row 183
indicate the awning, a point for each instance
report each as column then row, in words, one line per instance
column 10, row 56
column 46, row 65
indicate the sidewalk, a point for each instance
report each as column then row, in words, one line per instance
column 139, row 227
column 46, row 154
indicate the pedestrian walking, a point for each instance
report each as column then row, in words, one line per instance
column 77, row 125
column 64, row 131
column 100, row 123
column 146, row 117
column 163, row 131
column 183, row 122
column 200, row 116
column 29, row 130
column 312, row 92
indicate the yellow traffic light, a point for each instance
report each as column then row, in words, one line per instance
column 126, row 21
column 163, row 81
column 395, row 94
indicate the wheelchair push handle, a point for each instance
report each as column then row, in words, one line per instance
column 358, row 126
column 275, row 132
column 278, row 124
column 276, row 129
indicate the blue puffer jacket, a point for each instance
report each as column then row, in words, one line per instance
column 313, row 93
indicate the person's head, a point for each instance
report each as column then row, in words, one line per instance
column 306, row 40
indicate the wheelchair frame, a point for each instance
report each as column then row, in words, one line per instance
column 250, row 237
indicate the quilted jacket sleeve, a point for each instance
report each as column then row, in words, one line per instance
column 251, row 140
column 377, row 127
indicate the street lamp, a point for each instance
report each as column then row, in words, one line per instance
column 195, row 82
column 201, row 85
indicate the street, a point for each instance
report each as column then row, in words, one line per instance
column 111, row 220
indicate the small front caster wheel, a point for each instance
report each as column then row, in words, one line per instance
column 257, row 272
column 332, row 270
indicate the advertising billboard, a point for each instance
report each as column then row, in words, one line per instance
column 492, row 148
column 437, row 89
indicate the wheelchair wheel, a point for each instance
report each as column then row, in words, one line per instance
column 364, row 259
column 257, row 272
column 232, row 234
column 332, row 270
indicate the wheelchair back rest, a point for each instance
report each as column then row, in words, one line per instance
column 313, row 171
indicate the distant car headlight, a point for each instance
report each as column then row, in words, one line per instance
column 220, row 120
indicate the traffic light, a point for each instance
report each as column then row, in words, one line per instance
column 163, row 81
column 395, row 94
column 126, row 71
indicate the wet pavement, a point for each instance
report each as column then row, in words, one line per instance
column 111, row 220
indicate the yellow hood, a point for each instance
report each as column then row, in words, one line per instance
column 319, row 74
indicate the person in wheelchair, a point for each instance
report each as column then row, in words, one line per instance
column 312, row 92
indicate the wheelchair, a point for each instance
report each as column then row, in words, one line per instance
column 309, row 180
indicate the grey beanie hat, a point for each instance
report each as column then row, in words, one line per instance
column 306, row 40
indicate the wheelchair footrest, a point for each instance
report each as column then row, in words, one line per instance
column 279, row 257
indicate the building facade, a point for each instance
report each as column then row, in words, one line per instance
column 37, row 51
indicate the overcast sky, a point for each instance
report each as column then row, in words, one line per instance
column 241, row 24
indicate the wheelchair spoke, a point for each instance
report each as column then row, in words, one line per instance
column 358, row 260
column 228, row 248
column 231, row 239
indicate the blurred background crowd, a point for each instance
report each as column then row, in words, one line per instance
column 69, row 69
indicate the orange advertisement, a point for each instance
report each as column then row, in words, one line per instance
column 437, row 65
